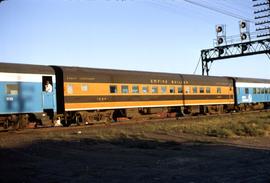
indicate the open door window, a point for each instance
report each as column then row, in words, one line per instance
column 47, row 84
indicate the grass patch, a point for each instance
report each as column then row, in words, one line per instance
column 144, row 135
column 232, row 126
column 240, row 125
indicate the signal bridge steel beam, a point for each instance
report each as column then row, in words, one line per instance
column 233, row 51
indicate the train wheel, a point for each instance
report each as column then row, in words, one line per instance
column 107, row 117
column 65, row 122
column 6, row 124
column 114, row 116
column 79, row 120
column 16, row 125
column 14, row 120
column 23, row 121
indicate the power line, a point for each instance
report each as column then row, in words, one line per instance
column 222, row 11
column 222, row 4
column 197, row 65
column 173, row 6
column 221, row 8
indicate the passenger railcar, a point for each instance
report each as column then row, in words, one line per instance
column 88, row 89
column 92, row 89
column 22, row 92
column 252, row 91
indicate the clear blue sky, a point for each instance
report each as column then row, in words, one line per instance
column 148, row 35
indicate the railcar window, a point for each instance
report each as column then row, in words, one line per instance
column 262, row 91
column 113, row 89
column 154, row 89
column 258, row 90
column 218, row 90
column 187, row 90
column 265, row 91
column 268, row 90
column 172, row 89
column 84, row 87
column 135, row 89
column 254, row 91
column 69, row 88
column 201, row 89
column 145, row 89
column 208, row 90
column 180, row 89
column 246, row 91
column 124, row 89
column 12, row 89
column 163, row 89
column 195, row 89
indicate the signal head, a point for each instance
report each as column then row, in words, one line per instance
column 220, row 40
column 243, row 24
column 243, row 36
column 219, row 29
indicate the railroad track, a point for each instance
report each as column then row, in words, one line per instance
column 129, row 122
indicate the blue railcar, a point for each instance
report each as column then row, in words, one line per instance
column 251, row 91
column 22, row 90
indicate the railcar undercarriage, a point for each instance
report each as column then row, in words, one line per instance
column 49, row 119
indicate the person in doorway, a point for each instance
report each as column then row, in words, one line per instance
column 48, row 87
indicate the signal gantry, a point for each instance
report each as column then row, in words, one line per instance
column 246, row 43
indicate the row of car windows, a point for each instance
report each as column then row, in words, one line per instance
column 257, row 90
column 13, row 89
column 160, row 89
column 125, row 89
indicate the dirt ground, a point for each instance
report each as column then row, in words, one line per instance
column 72, row 155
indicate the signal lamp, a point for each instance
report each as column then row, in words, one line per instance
column 220, row 40
column 219, row 29
column 243, row 36
column 243, row 24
